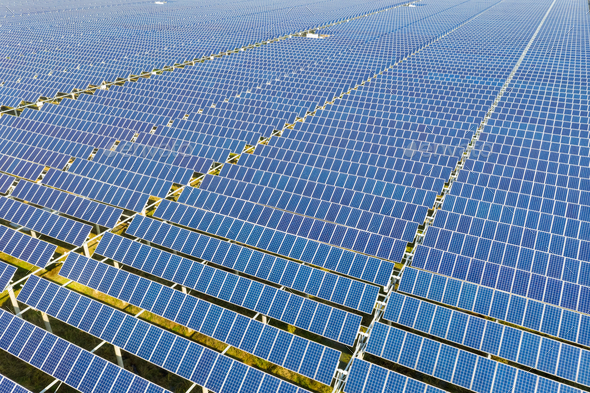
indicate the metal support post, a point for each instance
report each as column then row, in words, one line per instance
column 13, row 300
column 46, row 321
column 86, row 250
column 119, row 357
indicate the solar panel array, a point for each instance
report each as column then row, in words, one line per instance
column 152, row 343
column 374, row 196
column 68, row 363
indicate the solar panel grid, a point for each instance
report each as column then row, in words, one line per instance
column 74, row 366
column 173, row 157
column 69, row 204
column 100, row 191
column 8, row 386
column 47, row 142
column 6, row 274
column 367, row 377
column 122, row 178
column 529, row 313
column 24, row 247
column 315, row 282
column 224, row 325
column 322, row 255
column 167, row 350
column 286, row 307
column 5, row 183
column 500, row 340
column 335, row 234
column 44, row 222
column 429, row 101
column 37, row 123
column 321, row 190
column 341, row 208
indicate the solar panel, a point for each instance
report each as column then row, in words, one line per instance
column 461, row 367
column 6, row 274
column 531, row 314
column 367, row 377
column 506, row 278
column 20, row 168
column 296, row 247
column 8, row 386
column 66, row 203
column 302, row 278
column 156, row 345
column 445, row 140
column 24, row 247
column 224, row 325
column 347, row 210
column 160, row 154
column 505, row 341
column 100, row 191
column 121, row 178
column 378, row 228
column 67, row 362
column 41, row 221
column 144, row 166
column 5, row 183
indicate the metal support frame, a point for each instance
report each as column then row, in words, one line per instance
column 13, row 301
column 86, row 250
column 119, row 356
column 45, row 318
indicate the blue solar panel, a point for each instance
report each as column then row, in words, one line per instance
column 68, row 363
column 41, row 221
column 205, row 317
column 380, row 227
column 529, row 313
column 510, row 279
column 302, row 278
column 20, row 168
column 407, row 136
column 100, row 191
column 121, row 178
column 8, row 386
column 167, row 350
column 6, row 274
column 355, row 265
column 5, row 183
column 484, row 335
column 23, row 247
column 367, row 377
column 293, row 246
column 178, row 158
column 144, row 166
column 66, row 203
column 459, row 367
